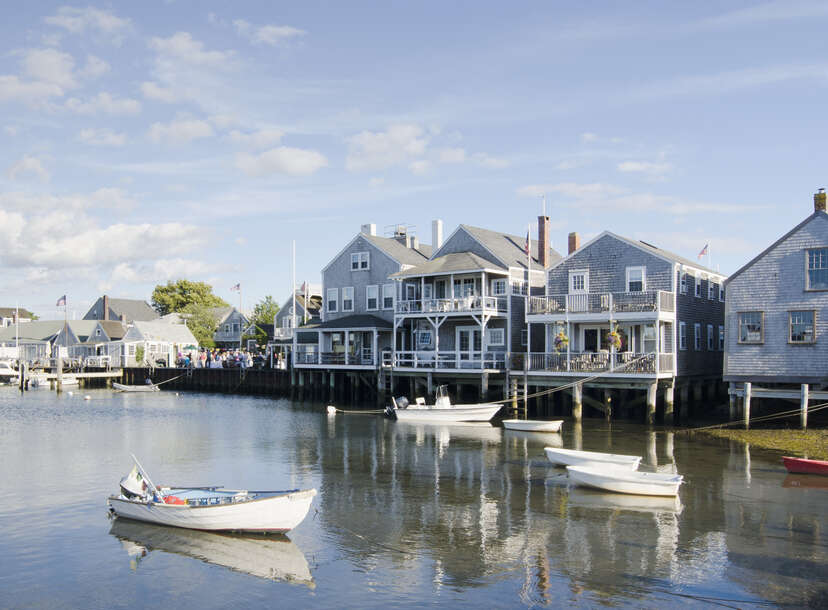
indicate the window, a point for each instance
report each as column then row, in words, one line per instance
column 683, row 286
column 710, row 337
column 227, row 328
column 440, row 289
column 711, row 290
column 721, row 338
column 388, row 296
column 682, row 335
column 333, row 300
column 636, row 278
column 721, row 293
column 348, row 298
column 817, row 269
column 97, row 332
column 372, row 297
column 524, row 338
column 428, row 291
column 410, row 292
column 751, row 327
column 697, row 280
column 499, row 287
column 236, row 327
column 495, row 336
column 423, row 339
column 697, row 336
column 578, row 281
column 802, row 327
column 359, row 261
column 464, row 287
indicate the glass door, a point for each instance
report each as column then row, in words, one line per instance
column 468, row 346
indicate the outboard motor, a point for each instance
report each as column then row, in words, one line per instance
column 402, row 402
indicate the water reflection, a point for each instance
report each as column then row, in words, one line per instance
column 268, row 557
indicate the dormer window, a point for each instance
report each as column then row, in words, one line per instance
column 360, row 261
column 636, row 279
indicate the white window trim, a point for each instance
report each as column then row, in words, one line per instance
column 524, row 338
column 682, row 335
column 761, row 340
column 710, row 295
column 573, row 273
column 410, row 292
column 697, row 287
column 683, row 283
column 499, row 282
column 711, row 345
column 428, row 291
column 367, row 291
column 501, row 332
column 807, row 269
column 344, row 298
column 813, row 326
column 420, row 333
column 721, row 292
column 334, row 300
column 643, row 276
column 721, row 338
column 391, row 289
column 358, row 258
column 697, row 336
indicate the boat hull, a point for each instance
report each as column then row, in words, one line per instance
column 805, row 466
column 635, row 483
column 571, row 457
column 277, row 514
column 120, row 387
column 455, row 413
column 529, row 425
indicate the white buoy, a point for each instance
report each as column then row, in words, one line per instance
column 71, row 393
column 87, row 397
column 331, row 410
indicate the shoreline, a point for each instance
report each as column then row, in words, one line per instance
column 812, row 443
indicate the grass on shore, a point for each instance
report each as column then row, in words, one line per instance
column 797, row 443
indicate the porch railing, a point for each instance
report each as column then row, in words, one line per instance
column 449, row 360
column 592, row 362
column 604, row 302
column 461, row 304
column 283, row 333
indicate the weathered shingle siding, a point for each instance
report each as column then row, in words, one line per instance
column 607, row 260
column 339, row 275
column 692, row 310
column 461, row 241
column 775, row 284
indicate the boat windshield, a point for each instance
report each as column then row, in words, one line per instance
column 442, row 391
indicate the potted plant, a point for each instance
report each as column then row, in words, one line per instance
column 561, row 341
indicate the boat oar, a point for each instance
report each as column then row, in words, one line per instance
column 144, row 474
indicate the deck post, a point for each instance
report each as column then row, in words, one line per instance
column 652, row 393
column 803, row 405
column 331, row 386
column 513, row 393
column 684, row 401
column 746, row 405
column 59, row 362
column 732, row 400
column 484, row 386
column 608, row 404
column 430, row 383
column 577, row 401
column 669, row 402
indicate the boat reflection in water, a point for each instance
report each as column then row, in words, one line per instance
column 587, row 498
column 807, row 481
column 269, row 557
column 547, row 439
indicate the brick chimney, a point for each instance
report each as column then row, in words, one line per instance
column 819, row 201
column 543, row 241
column 574, row 243
column 105, row 307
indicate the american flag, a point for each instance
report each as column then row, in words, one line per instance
column 61, row 301
column 237, row 287
column 704, row 250
column 526, row 245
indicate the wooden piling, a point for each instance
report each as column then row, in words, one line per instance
column 652, row 394
column 669, row 399
column 746, row 405
column 577, row 401
column 803, row 406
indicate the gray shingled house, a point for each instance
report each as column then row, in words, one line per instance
column 776, row 315
column 231, row 324
column 124, row 310
column 631, row 315
column 461, row 313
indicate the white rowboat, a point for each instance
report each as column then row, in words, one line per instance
column 572, row 457
column 442, row 410
column 149, row 387
column 626, row 482
column 533, row 425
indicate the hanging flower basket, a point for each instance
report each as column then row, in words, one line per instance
column 614, row 339
column 561, row 341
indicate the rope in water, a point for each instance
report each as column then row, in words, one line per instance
column 761, row 418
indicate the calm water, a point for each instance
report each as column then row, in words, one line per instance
column 407, row 515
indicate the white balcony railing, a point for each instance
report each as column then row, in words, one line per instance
column 283, row 333
column 593, row 362
column 449, row 360
column 603, row 302
column 363, row 357
column 461, row 304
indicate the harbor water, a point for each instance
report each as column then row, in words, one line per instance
column 407, row 515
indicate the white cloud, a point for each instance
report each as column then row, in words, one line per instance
column 588, row 136
column 104, row 103
column 489, row 161
column 571, row 189
column 103, row 198
column 223, row 121
column 257, row 139
column 28, row 167
column 111, row 198
column 180, row 131
column 182, row 47
column 79, row 20
column 94, row 67
column 780, row 10
column 654, row 170
column 282, row 160
column 376, row 182
column 378, row 150
column 101, row 137
column 267, row 34
column 154, row 91
column 452, row 155
column 50, row 66
column 419, row 167
column 568, row 164
column 11, row 130
column 13, row 89
column 160, row 271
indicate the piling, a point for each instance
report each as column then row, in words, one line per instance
column 669, row 399
column 803, row 406
column 746, row 403
column 578, row 401
column 608, row 404
column 652, row 394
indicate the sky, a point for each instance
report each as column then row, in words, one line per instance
column 152, row 141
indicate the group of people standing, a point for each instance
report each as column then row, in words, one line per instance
column 217, row 359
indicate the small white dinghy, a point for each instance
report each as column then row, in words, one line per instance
column 573, row 457
column 149, row 387
column 441, row 411
column 625, row 482
column 533, row 425
column 210, row 508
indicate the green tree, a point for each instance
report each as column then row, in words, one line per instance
column 201, row 322
column 265, row 311
column 178, row 295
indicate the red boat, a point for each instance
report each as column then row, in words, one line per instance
column 805, row 466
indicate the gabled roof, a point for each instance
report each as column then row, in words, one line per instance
column 133, row 309
column 510, row 250
column 113, row 329
column 36, row 330
column 355, row 321
column 82, row 329
column 751, row 262
column 162, row 331
column 390, row 246
column 220, row 313
column 451, row 263
column 8, row 312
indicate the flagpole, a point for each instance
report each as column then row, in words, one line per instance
column 528, row 325
column 293, row 284
column 241, row 313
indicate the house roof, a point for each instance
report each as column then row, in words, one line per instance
column 509, row 249
column 37, row 330
column 133, row 309
column 450, row 263
column 113, row 329
column 399, row 252
column 355, row 321
column 751, row 262
column 163, row 331
column 82, row 329
column 220, row 313
column 8, row 312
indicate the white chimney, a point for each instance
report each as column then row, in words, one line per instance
column 369, row 229
column 436, row 234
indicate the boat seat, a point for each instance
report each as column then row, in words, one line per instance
column 420, row 400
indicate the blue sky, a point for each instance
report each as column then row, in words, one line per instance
column 150, row 141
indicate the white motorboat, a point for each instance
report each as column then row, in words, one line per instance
column 442, row 410
column 210, row 508
column 271, row 558
column 625, row 482
column 533, row 425
column 573, row 457
column 8, row 374
column 149, row 387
